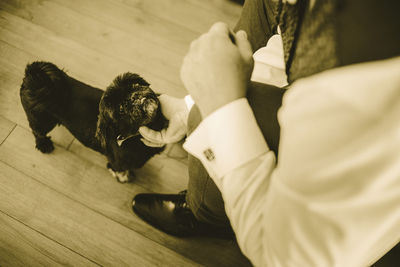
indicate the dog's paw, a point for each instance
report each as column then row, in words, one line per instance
column 45, row 145
column 122, row 177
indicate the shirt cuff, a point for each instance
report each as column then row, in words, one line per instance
column 227, row 139
column 189, row 102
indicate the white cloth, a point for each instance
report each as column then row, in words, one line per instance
column 334, row 197
column 269, row 64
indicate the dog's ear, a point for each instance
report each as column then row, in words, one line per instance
column 104, row 130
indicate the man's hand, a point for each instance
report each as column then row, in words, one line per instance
column 175, row 110
column 216, row 70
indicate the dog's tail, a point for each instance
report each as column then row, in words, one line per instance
column 44, row 85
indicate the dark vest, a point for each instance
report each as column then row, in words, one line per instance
column 330, row 34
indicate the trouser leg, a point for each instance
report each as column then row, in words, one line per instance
column 203, row 196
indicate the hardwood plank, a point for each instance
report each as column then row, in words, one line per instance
column 101, row 37
column 161, row 174
column 77, row 227
column 92, row 185
column 88, row 154
column 150, row 29
column 223, row 8
column 80, row 61
column 89, row 41
column 192, row 14
column 6, row 126
column 23, row 246
column 10, row 82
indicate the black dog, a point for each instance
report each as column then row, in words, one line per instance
column 107, row 121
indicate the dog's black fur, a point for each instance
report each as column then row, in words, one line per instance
column 96, row 118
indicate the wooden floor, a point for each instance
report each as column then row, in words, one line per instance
column 65, row 208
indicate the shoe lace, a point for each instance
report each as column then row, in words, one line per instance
column 182, row 204
column 183, row 208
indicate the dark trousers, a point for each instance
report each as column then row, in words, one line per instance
column 203, row 195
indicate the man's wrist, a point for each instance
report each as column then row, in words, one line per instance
column 208, row 108
column 210, row 144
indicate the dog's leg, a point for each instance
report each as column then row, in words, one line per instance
column 43, row 143
column 41, row 124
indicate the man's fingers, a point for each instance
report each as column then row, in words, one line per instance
column 220, row 28
column 242, row 35
column 239, row 39
column 171, row 105
column 244, row 45
column 223, row 29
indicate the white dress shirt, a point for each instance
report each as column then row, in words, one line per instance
column 333, row 199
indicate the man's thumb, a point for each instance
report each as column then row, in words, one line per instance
column 244, row 45
column 151, row 135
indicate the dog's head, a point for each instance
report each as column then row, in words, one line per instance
column 127, row 104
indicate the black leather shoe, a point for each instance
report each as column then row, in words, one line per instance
column 171, row 214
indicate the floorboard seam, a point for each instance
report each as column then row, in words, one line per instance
column 15, row 126
column 98, row 212
column 51, row 239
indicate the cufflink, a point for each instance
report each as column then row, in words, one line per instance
column 209, row 154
